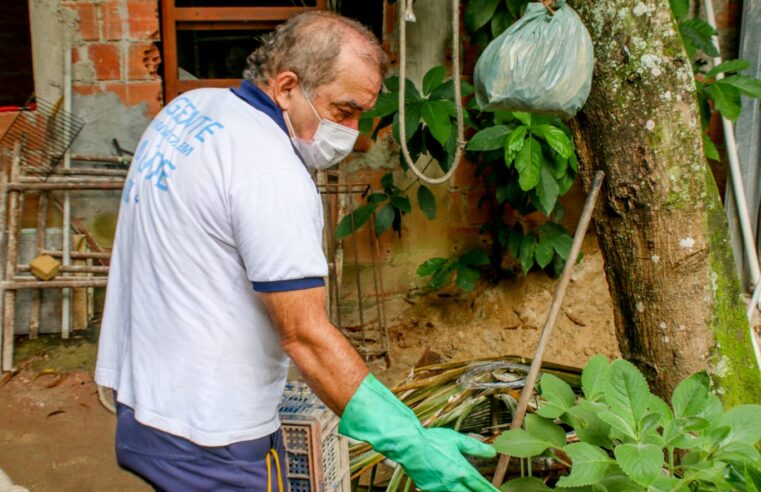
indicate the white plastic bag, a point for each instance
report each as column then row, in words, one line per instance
column 542, row 64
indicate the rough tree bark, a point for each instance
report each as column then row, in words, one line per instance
column 660, row 221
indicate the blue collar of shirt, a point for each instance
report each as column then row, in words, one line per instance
column 261, row 101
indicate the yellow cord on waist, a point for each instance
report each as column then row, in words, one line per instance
column 273, row 452
column 269, row 473
column 279, row 473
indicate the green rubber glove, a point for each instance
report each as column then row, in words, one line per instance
column 433, row 458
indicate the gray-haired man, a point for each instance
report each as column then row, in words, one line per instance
column 217, row 277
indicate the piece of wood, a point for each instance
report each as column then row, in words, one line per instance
column 12, row 232
column 552, row 317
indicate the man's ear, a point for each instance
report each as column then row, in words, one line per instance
column 282, row 87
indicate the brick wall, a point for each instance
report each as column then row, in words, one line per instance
column 115, row 50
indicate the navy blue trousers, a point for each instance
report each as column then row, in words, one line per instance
column 171, row 463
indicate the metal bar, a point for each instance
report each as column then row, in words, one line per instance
column 77, row 255
column 69, row 269
column 9, row 296
column 240, row 25
column 380, row 293
column 39, row 239
column 76, row 171
column 64, row 186
column 4, row 171
column 101, row 158
column 73, row 283
column 189, row 85
column 72, row 179
column 549, row 325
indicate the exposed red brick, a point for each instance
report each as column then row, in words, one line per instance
column 87, row 19
column 105, row 59
column 6, row 118
column 111, row 19
column 86, row 89
column 144, row 60
column 134, row 93
column 143, row 18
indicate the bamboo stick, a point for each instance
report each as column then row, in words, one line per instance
column 549, row 325
column 9, row 295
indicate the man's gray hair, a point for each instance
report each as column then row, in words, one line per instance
column 309, row 45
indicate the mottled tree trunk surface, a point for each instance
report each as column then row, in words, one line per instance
column 660, row 221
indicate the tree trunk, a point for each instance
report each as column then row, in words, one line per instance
column 660, row 221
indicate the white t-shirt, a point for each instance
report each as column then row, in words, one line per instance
column 216, row 199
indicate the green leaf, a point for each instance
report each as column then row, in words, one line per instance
column 500, row 21
column 387, row 103
column 745, row 421
column 430, row 266
column 753, row 479
column 526, row 254
column 478, row 13
column 529, row 164
column 475, row 257
column 555, row 138
column 560, row 238
column 641, row 462
column 738, row 451
column 746, row 85
column 359, row 216
column 410, row 91
column 514, row 241
column 626, row 392
column 490, row 138
column 523, row 117
column 384, row 218
column 521, row 444
column 544, row 252
column 620, row 427
column 589, row 427
column 466, row 277
column 442, row 275
column 593, row 377
column 426, row 201
column 680, row 8
column 547, row 190
column 514, row 144
column 433, row 79
column 589, row 465
column 726, row 98
column 525, row 484
column 709, row 148
column 366, row 122
column 411, row 118
column 402, row 203
column 446, row 91
column 729, row 66
column 545, row 430
column 659, row 406
column 436, row 116
column 690, row 395
column 559, row 395
column 697, row 35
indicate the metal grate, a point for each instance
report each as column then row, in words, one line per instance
column 45, row 131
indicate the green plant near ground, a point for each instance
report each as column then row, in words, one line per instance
column 631, row 440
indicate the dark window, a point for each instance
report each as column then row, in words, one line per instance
column 16, row 77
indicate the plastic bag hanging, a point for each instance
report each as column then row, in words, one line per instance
column 542, row 64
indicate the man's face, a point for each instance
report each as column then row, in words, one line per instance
column 353, row 91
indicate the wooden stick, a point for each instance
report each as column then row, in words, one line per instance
column 42, row 217
column 552, row 316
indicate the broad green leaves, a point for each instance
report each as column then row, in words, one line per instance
column 629, row 437
column 441, row 269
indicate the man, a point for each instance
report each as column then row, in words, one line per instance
column 217, row 277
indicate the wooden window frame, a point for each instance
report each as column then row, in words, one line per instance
column 213, row 18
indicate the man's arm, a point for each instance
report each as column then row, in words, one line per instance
column 328, row 362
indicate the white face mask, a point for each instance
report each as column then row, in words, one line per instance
column 331, row 142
